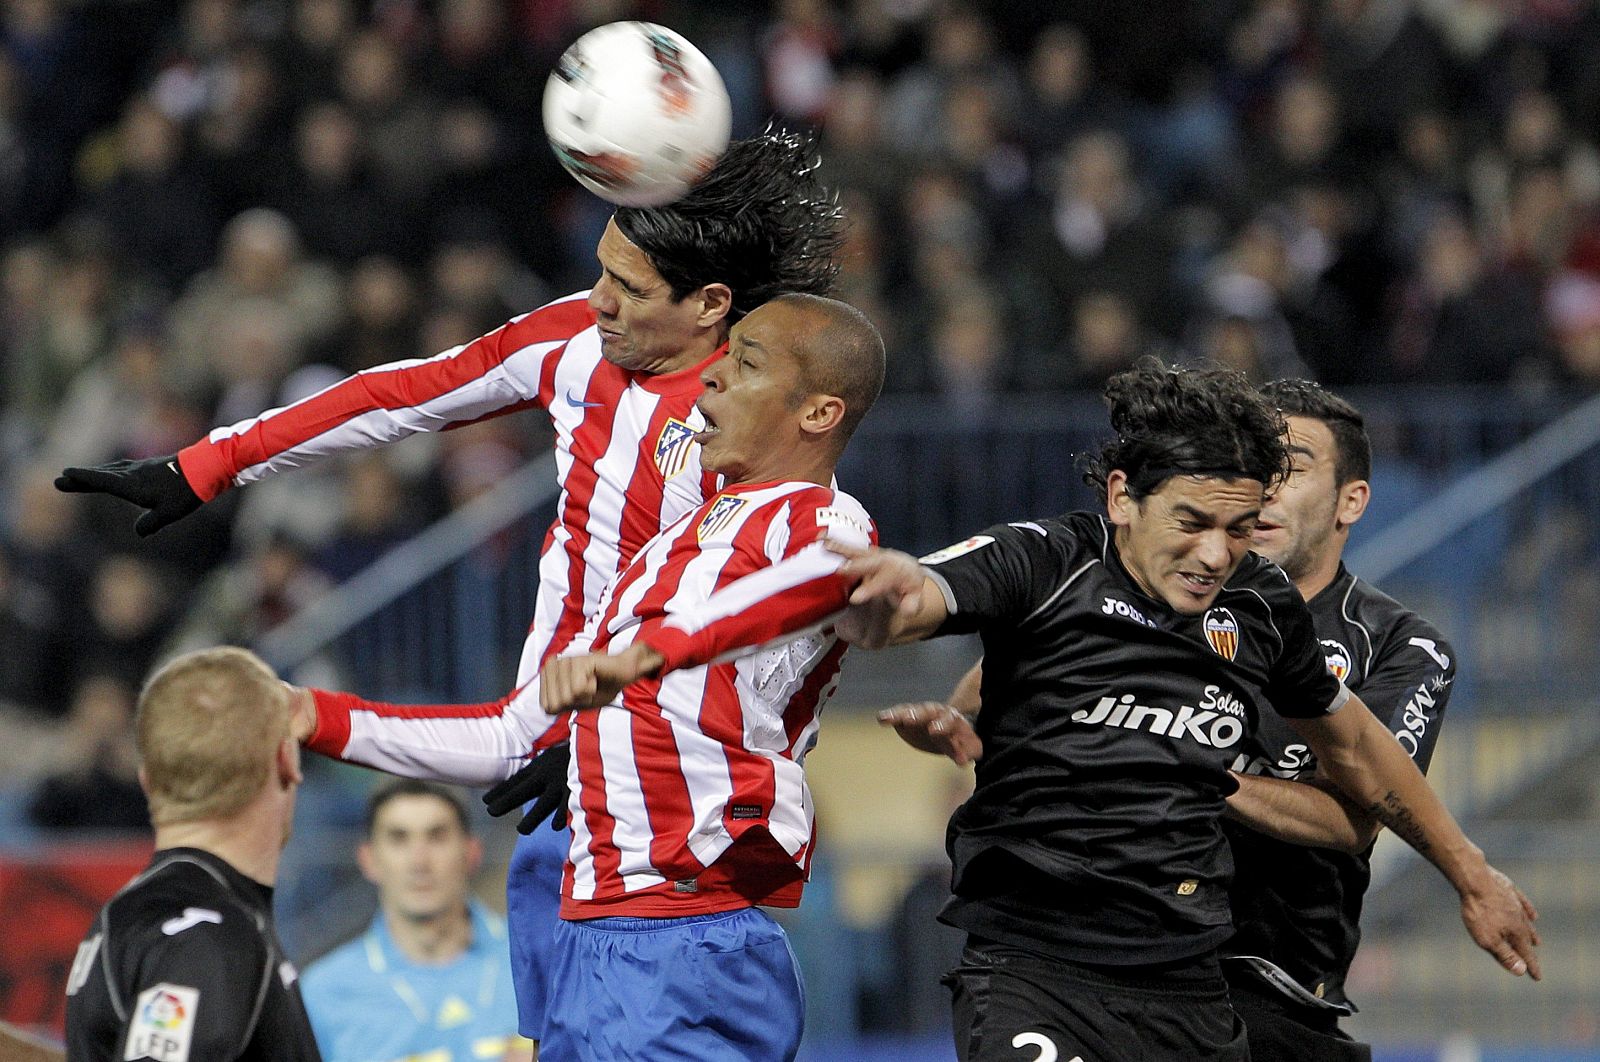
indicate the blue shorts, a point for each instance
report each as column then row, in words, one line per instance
column 709, row 988
column 533, row 907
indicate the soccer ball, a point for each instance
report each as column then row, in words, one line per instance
column 636, row 113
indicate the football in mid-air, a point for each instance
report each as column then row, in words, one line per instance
column 636, row 113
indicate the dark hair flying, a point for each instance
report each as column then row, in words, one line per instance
column 760, row 222
column 403, row 787
column 1306, row 398
column 1187, row 422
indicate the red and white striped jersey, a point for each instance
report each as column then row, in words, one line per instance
column 624, row 452
column 688, row 792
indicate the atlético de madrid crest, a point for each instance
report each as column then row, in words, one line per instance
column 1222, row 632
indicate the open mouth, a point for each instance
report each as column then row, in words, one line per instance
column 1198, row 584
column 710, row 431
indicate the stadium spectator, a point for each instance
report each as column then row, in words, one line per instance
column 221, row 772
column 94, row 783
column 1081, row 840
column 431, row 976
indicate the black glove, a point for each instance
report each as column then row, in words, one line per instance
column 157, row 485
column 544, row 778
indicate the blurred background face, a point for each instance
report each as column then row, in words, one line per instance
column 419, row 857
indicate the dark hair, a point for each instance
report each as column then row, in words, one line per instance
column 760, row 222
column 1187, row 422
column 845, row 357
column 404, row 787
column 1307, row 398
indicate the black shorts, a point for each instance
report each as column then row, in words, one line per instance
column 1012, row 1005
column 1282, row 1031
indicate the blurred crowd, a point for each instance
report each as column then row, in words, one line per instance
column 211, row 207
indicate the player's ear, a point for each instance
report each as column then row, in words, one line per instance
column 716, row 303
column 474, row 854
column 288, row 758
column 364, row 862
column 1119, row 503
column 1353, row 499
column 820, row 414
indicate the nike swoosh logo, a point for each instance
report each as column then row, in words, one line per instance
column 580, row 403
column 174, row 466
column 192, row 916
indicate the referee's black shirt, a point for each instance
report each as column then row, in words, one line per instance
column 1109, row 723
column 1299, row 908
column 183, row 965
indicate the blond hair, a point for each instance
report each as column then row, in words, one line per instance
column 208, row 726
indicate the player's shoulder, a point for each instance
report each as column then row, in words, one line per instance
column 555, row 321
column 1042, row 545
column 1393, row 627
column 1260, row 576
column 180, row 901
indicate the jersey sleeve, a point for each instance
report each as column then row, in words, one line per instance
column 1001, row 576
column 1300, row 686
column 799, row 589
column 495, row 374
column 459, row 744
column 198, row 988
column 1409, row 686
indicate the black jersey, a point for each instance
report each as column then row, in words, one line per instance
column 1299, row 908
column 1109, row 723
column 183, row 965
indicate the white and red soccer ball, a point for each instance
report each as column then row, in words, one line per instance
column 636, row 113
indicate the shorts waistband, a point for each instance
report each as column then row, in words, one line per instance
column 625, row 924
column 1198, row 977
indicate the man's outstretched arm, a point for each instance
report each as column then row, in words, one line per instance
column 1361, row 757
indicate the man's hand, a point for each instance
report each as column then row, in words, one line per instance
column 936, row 728
column 569, row 683
column 1500, row 918
column 157, row 485
column 302, row 712
column 888, row 592
column 544, row 781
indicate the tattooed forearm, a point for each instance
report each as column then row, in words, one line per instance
column 1393, row 813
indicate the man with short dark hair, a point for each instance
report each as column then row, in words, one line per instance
column 712, row 661
column 1297, row 909
column 183, row 963
column 1126, row 655
column 431, row 976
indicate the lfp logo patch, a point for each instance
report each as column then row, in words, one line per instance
column 1222, row 632
column 720, row 515
column 672, row 447
column 1337, row 658
column 163, row 1023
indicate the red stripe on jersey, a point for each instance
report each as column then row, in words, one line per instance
column 592, row 797
column 804, row 604
column 669, row 807
column 211, row 467
column 332, row 732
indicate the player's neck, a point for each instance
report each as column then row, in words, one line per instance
column 434, row 940
column 1320, row 575
column 249, row 843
